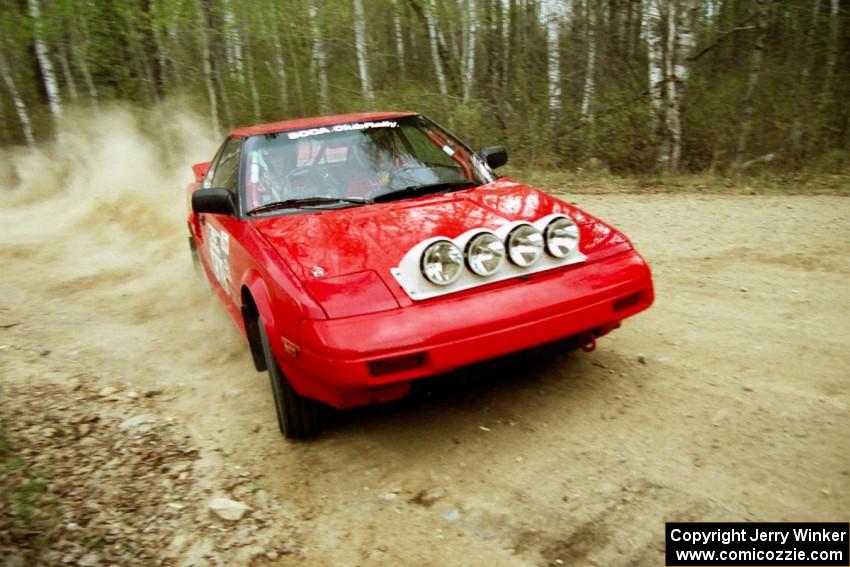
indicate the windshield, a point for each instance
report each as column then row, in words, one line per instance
column 355, row 163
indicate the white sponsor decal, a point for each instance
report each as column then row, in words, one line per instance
column 219, row 243
column 341, row 128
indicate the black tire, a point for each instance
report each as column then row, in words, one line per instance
column 196, row 263
column 297, row 416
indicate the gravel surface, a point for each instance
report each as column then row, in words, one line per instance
column 135, row 424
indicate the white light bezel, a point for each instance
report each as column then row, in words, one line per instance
column 417, row 287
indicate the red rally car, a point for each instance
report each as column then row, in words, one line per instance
column 357, row 253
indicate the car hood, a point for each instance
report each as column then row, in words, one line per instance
column 331, row 243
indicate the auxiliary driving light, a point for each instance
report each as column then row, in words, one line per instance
column 561, row 237
column 485, row 254
column 442, row 262
column 525, row 245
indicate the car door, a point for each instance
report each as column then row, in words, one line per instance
column 217, row 245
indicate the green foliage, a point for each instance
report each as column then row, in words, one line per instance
column 4, row 442
column 147, row 51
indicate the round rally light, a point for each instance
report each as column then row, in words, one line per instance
column 442, row 262
column 525, row 245
column 485, row 254
column 561, row 237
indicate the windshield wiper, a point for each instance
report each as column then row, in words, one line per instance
column 305, row 202
column 426, row 189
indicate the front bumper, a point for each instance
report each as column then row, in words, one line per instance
column 333, row 361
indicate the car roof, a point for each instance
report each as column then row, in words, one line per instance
column 313, row 122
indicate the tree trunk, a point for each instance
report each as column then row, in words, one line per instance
column 20, row 106
column 173, row 39
column 589, row 89
column 506, row 44
column 753, row 81
column 319, row 59
column 362, row 53
column 299, row 90
column 42, row 53
column 430, row 15
column 67, row 74
column 78, row 37
column 681, row 26
column 670, row 96
column 469, row 68
column 798, row 125
column 206, row 61
column 654, row 34
column 551, row 14
column 831, row 54
column 252, row 78
column 137, row 45
column 279, row 70
column 233, row 43
column 399, row 38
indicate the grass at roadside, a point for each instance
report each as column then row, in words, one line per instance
column 23, row 516
column 601, row 182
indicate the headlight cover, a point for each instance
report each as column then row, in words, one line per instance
column 442, row 262
column 525, row 245
column 485, row 254
column 561, row 237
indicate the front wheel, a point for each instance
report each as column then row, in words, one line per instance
column 297, row 416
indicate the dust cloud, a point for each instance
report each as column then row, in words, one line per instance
column 95, row 219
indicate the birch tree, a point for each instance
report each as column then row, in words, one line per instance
column 279, row 70
column 469, row 64
column 681, row 23
column 530, row 62
column 362, row 54
column 17, row 100
column 654, row 33
column 252, row 78
column 299, row 90
column 798, row 126
column 832, row 51
column 589, row 89
column 206, row 62
column 756, row 59
column 430, row 15
column 67, row 73
column 42, row 53
column 399, row 37
column 506, row 40
column 552, row 16
column 79, row 42
column 319, row 58
column 233, row 43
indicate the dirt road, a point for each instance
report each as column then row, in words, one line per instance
column 728, row 400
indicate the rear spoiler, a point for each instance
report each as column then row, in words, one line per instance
column 200, row 170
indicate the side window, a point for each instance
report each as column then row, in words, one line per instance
column 429, row 149
column 226, row 172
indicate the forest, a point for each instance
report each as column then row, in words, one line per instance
column 632, row 86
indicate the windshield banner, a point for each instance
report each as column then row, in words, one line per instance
column 341, row 128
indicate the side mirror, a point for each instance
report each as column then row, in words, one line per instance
column 200, row 170
column 495, row 156
column 214, row 200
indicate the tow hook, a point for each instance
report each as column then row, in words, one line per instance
column 587, row 342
